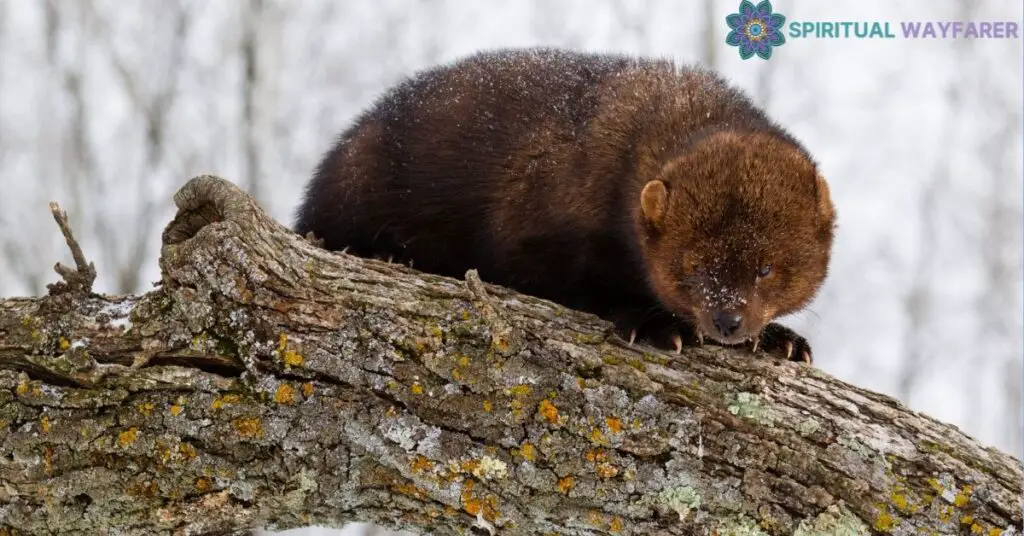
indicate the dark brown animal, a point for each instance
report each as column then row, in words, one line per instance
column 655, row 196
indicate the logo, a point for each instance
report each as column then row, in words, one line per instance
column 755, row 29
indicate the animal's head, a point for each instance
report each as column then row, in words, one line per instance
column 736, row 232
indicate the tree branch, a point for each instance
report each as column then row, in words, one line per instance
column 285, row 385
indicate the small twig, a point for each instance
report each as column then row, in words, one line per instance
column 79, row 279
column 502, row 332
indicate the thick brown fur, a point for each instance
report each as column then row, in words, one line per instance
column 529, row 165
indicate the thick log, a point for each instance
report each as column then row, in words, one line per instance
column 267, row 382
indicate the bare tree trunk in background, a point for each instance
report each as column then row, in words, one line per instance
column 918, row 305
column 22, row 259
column 250, row 85
column 632, row 16
column 1000, row 253
column 153, row 107
column 711, row 41
column 269, row 382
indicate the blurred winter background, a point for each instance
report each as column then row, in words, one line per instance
column 108, row 106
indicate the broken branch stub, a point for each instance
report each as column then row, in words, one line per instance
column 285, row 385
column 80, row 278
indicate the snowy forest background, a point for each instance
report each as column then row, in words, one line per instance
column 109, row 106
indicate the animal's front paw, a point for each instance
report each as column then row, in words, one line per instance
column 661, row 330
column 784, row 343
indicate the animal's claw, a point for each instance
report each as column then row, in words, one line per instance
column 784, row 343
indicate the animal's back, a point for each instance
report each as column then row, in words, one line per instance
column 521, row 164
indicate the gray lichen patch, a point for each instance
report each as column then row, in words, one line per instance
column 808, row 426
column 854, row 444
column 739, row 526
column 752, row 407
column 682, row 500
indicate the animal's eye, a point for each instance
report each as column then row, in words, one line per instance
column 765, row 271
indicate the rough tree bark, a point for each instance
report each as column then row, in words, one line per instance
column 269, row 382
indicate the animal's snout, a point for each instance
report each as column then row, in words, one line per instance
column 727, row 322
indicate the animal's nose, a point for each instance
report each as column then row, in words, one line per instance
column 727, row 322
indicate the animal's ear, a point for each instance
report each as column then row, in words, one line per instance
column 654, row 202
column 826, row 209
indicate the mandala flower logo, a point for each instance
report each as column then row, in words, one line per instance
column 755, row 29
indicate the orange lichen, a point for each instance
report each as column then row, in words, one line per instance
column 163, row 452
column 597, row 455
column 995, row 532
column 421, row 464
column 565, row 484
column 548, row 411
column 976, row 529
column 528, row 451
column 293, row 358
column 416, row 389
column 409, row 490
column 966, row 520
column 463, row 361
column 48, row 461
column 902, row 503
column 290, row 357
column 148, row 489
column 285, row 394
column 469, row 466
column 518, row 390
column 203, row 484
column 187, row 451
column 249, row 426
column 44, row 424
column 884, row 522
column 176, row 410
column 307, row 389
column 128, row 436
column 500, row 343
column 516, row 405
column 456, row 375
column 22, row 388
column 615, row 525
column 470, row 504
column 224, row 400
column 488, row 406
column 146, row 408
column 597, row 436
column 491, row 508
column 64, row 343
column 606, row 470
column 614, row 424
column 963, row 497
